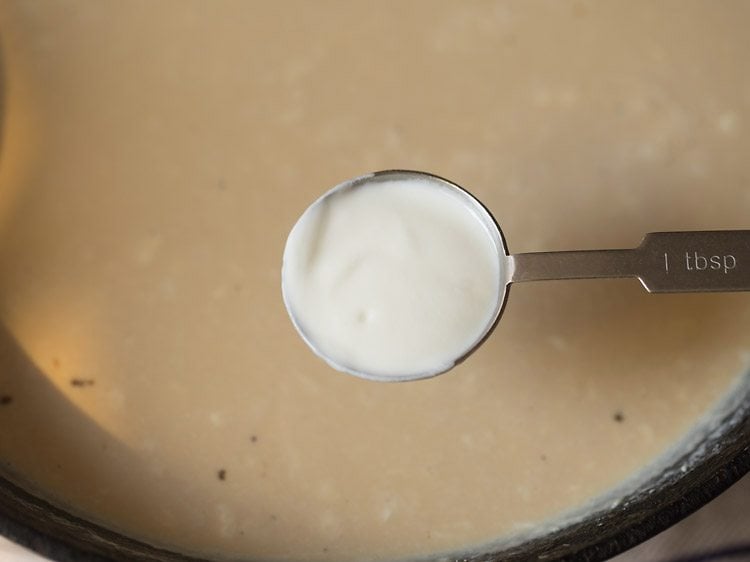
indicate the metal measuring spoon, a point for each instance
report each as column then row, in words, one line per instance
column 664, row 262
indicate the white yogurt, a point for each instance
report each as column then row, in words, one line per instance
column 394, row 276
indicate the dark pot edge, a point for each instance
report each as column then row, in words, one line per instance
column 677, row 487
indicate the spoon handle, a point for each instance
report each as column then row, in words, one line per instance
column 665, row 262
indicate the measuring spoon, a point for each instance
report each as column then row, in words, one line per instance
column 664, row 262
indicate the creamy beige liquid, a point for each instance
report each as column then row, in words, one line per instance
column 155, row 156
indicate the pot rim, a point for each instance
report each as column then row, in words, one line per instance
column 715, row 455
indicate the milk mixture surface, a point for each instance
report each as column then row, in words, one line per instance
column 395, row 276
column 155, row 156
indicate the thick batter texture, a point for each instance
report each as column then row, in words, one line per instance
column 155, row 156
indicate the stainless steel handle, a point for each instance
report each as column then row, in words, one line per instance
column 665, row 262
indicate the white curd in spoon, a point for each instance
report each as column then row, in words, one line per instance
column 393, row 276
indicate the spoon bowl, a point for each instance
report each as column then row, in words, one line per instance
column 402, row 278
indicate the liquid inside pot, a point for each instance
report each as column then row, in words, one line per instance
column 154, row 159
